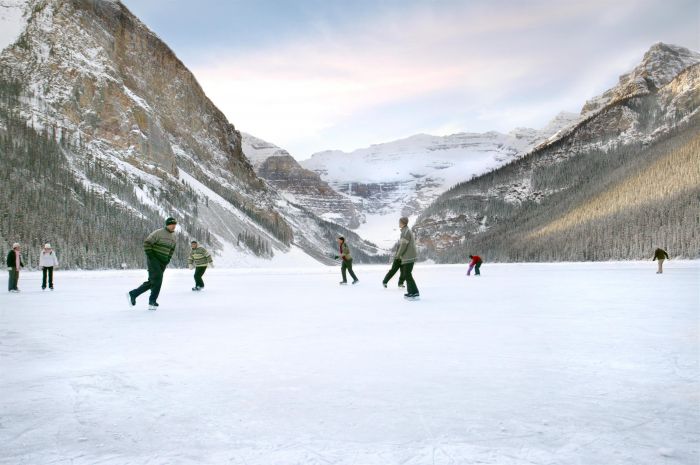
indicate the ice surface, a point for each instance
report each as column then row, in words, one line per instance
column 528, row 364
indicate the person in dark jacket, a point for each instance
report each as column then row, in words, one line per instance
column 395, row 266
column 408, row 255
column 159, row 247
column 660, row 255
column 475, row 264
column 14, row 264
column 346, row 258
column 200, row 259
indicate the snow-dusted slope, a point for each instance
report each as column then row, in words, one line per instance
column 659, row 66
column 402, row 177
column 299, row 185
column 640, row 133
column 12, row 21
column 98, row 79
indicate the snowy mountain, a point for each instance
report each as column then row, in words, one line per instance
column 620, row 181
column 403, row 177
column 134, row 139
column 300, row 186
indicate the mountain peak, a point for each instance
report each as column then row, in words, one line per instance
column 659, row 66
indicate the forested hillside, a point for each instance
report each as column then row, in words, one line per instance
column 43, row 201
column 612, row 204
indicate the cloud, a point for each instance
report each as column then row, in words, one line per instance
column 502, row 64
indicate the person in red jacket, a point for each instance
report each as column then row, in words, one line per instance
column 474, row 264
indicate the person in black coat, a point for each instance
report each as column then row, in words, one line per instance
column 660, row 255
column 14, row 264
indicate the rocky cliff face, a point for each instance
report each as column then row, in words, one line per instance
column 299, row 185
column 98, row 80
column 619, row 133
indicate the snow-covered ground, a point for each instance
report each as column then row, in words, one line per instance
column 12, row 21
column 529, row 364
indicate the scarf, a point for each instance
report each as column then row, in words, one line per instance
column 18, row 260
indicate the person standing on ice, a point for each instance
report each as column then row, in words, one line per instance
column 407, row 254
column 159, row 247
column 14, row 264
column 660, row 255
column 199, row 259
column 47, row 260
column 346, row 258
column 395, row 266
column 475, row 264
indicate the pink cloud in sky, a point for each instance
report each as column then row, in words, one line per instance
column 295, row 93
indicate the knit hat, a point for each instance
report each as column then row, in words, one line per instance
column 15, row 245
column 170, row 221
column 47, row 246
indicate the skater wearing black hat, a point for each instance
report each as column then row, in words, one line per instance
column 159, row 247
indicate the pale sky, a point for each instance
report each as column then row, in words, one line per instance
column 312, row 75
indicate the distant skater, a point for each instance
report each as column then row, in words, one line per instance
column 200, row 259
column 159, row 247
column 660, row 255
column 346, row 258
column 14, row 265
column 395, row 266
column 475, row 264
column 407, row 254
column 47, row 261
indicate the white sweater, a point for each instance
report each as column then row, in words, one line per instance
column 48, row 259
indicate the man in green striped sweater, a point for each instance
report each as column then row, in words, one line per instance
column 199, row 259
column 159, row 247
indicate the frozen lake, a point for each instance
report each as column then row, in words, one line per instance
column 590, row 364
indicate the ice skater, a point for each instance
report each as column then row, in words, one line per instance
column 395, row 266
column 200, row 259
column 14, row 265
column 346, row 258
column 660, row 255
column 407, row 254
column 47, row 261
column 159, row 247
column 475, row 264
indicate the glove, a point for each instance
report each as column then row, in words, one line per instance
column 335, row 257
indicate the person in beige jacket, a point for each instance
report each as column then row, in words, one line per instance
column 407, row 254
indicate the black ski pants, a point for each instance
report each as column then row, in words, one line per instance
column 407, row 271
column 198, row 273
column 347, row 265
column 155, row 279
column 46, row 271
column 395, row 266
column 13, row 279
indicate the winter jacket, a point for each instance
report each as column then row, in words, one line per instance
column 407, row 246
column 660, row 254
column 345, row 252
column 199, row 257
column 48, row 259
column 12, row 260
column 397, row 247
column 475, row 259
column 160, row 244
